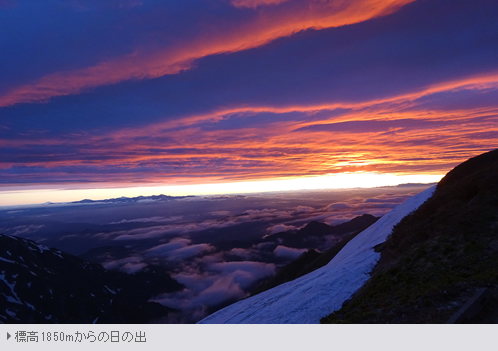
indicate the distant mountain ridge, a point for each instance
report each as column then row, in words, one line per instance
column 124, row 199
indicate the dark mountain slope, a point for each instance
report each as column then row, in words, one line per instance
column 315, row 234
column 438, row 257
column 312, row 260
column 42, row 285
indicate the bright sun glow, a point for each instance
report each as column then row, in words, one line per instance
column 329, row 181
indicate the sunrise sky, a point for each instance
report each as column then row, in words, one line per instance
column 122, row 94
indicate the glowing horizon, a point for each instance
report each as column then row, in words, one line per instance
column 330, row 181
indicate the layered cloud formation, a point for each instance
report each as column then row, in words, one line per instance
column 220, row 247
column 124, row 91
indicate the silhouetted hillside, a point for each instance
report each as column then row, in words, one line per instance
column 42, row 285
column 438, row 257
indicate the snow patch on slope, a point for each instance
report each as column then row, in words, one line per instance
column 315, row 295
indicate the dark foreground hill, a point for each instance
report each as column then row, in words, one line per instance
column 439, row 257
column 42, row 285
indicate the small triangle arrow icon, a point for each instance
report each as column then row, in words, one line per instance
column 8, row 336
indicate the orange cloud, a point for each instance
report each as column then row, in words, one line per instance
column 265, row 26
column 393, row 135
column 388, row 107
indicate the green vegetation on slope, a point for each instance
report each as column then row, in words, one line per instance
column 437, row 257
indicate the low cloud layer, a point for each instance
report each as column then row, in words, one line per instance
column 129, row 264
column 150, row 220
column 179, row 249
column 280, row 228
column 218, row 283
column 288, row 252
